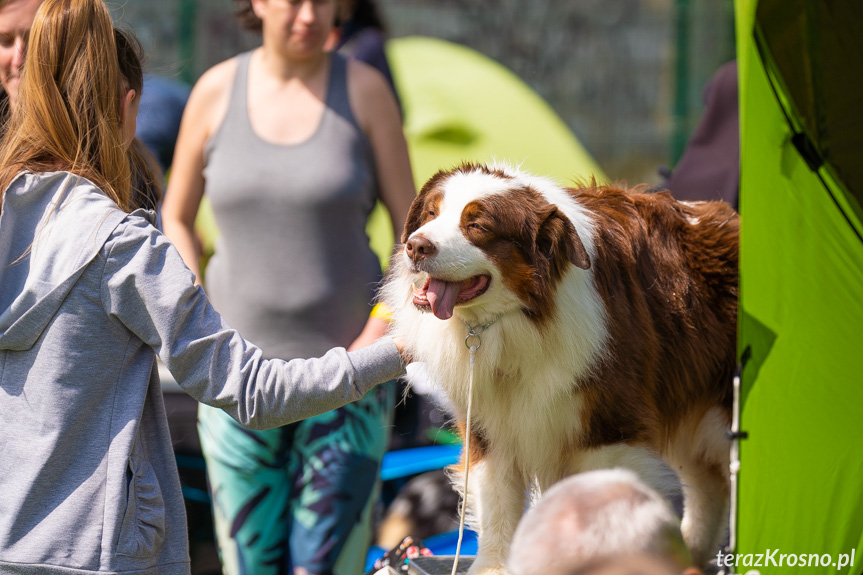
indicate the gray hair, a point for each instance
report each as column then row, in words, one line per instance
column 593, row 517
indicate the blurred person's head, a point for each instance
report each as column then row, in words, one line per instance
column 76, row 108
column 605, row 522
column 636, row 564
column 296, row 27
column 16, row 19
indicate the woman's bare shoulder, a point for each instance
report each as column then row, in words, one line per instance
column 208, row 102
column 216, row 81
column 370, row 94
column 366, row 79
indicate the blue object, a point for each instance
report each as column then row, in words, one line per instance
column 445, row 543
column 162, row 103
column 441, row 545
column 373, row 555
column 405, row 462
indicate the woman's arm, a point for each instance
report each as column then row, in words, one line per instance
column 374, row 329
column 204, row 111
column 377, row 112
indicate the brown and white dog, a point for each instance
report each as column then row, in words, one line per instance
column 612, row 342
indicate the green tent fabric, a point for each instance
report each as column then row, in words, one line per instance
column 801, row 265
column 460, row 105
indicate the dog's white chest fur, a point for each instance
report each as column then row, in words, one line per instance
column 524, row 390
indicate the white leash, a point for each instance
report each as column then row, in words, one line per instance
column 472, row 333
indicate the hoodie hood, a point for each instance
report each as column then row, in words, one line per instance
column 52, row 225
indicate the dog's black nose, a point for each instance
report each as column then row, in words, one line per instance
column 419, row 247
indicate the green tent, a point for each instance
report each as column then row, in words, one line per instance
column 462, row 106
column 801, row 307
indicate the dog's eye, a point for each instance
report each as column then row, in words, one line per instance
column 474, row 226
column 431, row 213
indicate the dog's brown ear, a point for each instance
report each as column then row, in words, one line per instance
column 427, row 201
column 557, row 238
column 414, row 219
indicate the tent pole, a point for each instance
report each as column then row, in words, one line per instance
column 680, row 131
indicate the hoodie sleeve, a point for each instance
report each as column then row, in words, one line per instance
column 147, row 287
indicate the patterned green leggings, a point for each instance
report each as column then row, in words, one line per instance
column 300, row 495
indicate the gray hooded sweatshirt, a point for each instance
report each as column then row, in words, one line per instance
column 88, row 296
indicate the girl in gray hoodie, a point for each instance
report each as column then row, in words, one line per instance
column 89, row 295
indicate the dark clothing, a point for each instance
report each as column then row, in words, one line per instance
column 159, row 115
column 709, row 168
column 366, row 44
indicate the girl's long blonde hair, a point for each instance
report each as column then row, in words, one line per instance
column 69, row 112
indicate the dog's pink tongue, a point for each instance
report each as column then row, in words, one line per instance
column 442, row 296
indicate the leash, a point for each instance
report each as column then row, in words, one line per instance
column 473, row 333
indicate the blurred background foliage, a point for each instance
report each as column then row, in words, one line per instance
column 625, row 75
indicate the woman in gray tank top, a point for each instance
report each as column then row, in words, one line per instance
column 293, row 146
